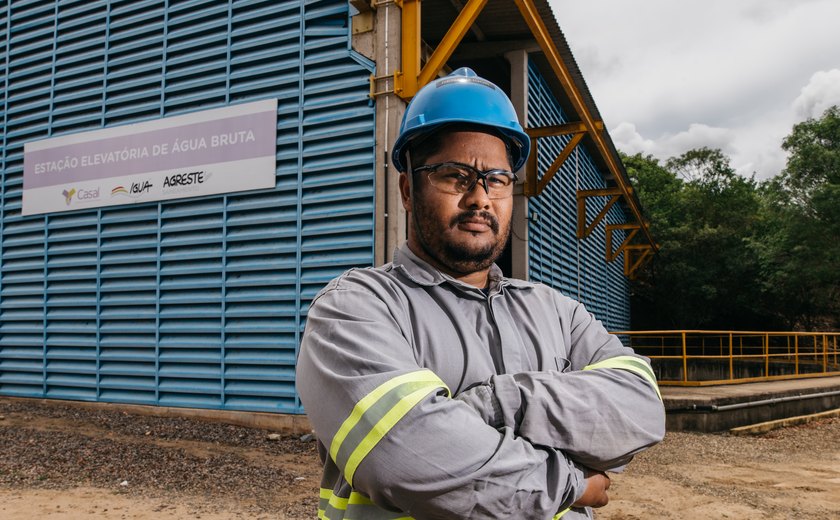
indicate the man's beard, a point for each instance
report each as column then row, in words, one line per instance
column 459, row 258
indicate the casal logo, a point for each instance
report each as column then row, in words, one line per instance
column 68, row 195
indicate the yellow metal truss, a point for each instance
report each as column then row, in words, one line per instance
column 533, row 186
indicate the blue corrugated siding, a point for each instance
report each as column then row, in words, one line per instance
column 198, row 302
column 577, row 268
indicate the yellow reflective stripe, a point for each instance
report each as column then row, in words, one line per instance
column 563, row 512
column 359, row 499
column 631, row 364
column 381, row 428
column 338, row 502
column 368, row 401
column 344, row 505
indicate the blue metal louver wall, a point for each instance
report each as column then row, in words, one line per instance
column 556, row 257
column 198, row 302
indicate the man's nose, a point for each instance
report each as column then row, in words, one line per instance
column 478, row 196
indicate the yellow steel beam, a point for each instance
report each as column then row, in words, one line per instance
column 412, row 77
column 532, row 186
column 632, row 228
column 602, row 192
column 450, row 41
column 630, row 265
column 405, row 81
column 564, row 129
column 583, row 230
column 540, row 32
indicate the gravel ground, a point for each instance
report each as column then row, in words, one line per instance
column 57, row 447
column 60, row 447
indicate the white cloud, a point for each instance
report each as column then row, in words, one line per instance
column 629, row 140
column 669, row 76
column 750, row 151
column 698, row 135
column 821, row 92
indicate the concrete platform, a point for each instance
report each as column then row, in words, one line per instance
column 718, row 408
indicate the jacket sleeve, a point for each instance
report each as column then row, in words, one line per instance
column 604, row 409
column 397, row 436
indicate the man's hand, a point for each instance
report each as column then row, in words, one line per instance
column 595, row 495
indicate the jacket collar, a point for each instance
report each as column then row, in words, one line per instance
column 421, row 273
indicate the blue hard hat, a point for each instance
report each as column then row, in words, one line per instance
column 461, row 97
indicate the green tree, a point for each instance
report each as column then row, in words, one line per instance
column 799, row 246
column 702, row 214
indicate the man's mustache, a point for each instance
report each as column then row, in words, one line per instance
column 486, row 216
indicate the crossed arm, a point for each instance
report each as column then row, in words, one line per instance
column 505, row 448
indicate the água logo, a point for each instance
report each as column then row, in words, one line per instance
column 68, row 195
column 139, row 189
column 135, row 190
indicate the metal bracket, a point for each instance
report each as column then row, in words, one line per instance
column 583, row 230
column 643, row 252
column 632, row 228
column 364, row 6
column 374, row 79
column 534, row 186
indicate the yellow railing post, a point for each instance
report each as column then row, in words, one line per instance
column 767, row 355
column 796, row 352
column 731, row 361
column 684, row 359
column 825, row 353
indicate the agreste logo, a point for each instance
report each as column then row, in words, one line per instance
column 184, row 179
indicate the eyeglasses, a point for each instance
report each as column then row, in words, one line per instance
column 458, row 178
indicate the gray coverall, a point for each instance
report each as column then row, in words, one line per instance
column 432, row 399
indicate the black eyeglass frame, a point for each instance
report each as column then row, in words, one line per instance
column 479, row 175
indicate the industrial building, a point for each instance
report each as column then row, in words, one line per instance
column 131, row 277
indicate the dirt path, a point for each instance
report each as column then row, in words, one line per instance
column 789, row 473
column 62, row 462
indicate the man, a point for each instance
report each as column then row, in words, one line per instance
column 440, row 389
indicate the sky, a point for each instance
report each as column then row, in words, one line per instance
column 669, row 76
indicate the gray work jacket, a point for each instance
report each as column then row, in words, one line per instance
column 433, row 399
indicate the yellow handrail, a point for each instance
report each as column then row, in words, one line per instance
column 709, row 357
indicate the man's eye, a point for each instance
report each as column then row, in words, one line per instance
column 455, row 175
column 498, row 180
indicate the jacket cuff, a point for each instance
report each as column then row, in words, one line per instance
column 508, row 400
column 481, row 399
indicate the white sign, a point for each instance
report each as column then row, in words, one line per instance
column 216, row 151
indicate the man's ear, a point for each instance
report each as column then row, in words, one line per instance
column 405, row 191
